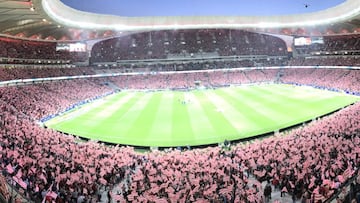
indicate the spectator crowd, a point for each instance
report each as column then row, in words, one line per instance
column 310, row 163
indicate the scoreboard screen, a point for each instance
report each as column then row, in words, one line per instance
column 306, row 41
column 71, row 47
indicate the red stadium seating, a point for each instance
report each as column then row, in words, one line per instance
column 17, row 51
column 187, row 44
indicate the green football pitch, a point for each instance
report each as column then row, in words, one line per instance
column 197, row 117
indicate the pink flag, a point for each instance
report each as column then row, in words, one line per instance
column 311, row 185
column 22, row 184
column 252, row 163
column 52, row 194
column 21, row 162
column 32, row 170
column 69, row 182
column 341, row 178
column 201, row 200
column 9, row 169
column 91, row 170
column 327, row 182
column 19, row 174
column 103, row 181
column 161, row 200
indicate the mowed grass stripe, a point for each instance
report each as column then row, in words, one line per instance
column 108, row 100
column 277, row 99
column 272, row 104
column 280, row 97
column 293, row 110
column 220, row 123
column 203, row 129
column 291, row 94
column 87, row 109
column 204, row 120
column 248, row 100
column 141, row 127
column 87, row 117
column 105, row 111
column 237, row 117
column 263, row 122
column 112, row 104
column 313, row 102
column 115, row 128
column 118, row 110
column 99, row 115
column 327, row 105
column 269, row 102
column 162, row 124
column 285, row 102
column 258, row 102
column 105, row 129
column 182, row 129
column 306, row 93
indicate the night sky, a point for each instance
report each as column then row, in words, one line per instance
column 146, row 8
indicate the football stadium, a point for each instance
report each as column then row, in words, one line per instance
column 119, row 101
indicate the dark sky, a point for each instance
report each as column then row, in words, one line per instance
column 200, row 7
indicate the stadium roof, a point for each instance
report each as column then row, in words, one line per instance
column 146, row 8
column 53, row 20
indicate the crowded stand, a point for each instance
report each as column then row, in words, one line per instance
column 325, row 61
column 14, row 72
column 337, row 44
column 338, row 79
column 28, row 72
column 177, row 44
column 205, row 64
column 190, row 80
column 308, row 163
column 14, row 50
column 33, row 100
